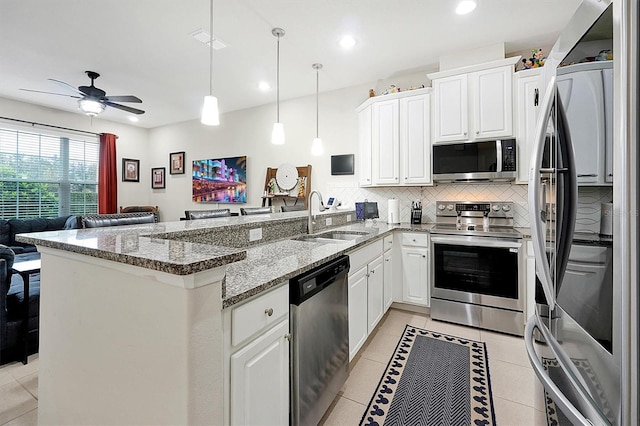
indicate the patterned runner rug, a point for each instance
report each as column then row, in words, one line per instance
column 433, row 379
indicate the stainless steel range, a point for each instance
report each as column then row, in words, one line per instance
column 477, row 266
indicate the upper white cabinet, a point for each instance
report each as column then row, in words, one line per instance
column 473, row 103
column 527, row 108
column 394, row 138
column 588, row 109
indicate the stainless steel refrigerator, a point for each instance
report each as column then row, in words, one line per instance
column 582, row 340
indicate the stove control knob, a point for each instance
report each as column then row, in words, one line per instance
column 441, row 207
column 450, row 207
column 496, row 207
column 506, row 207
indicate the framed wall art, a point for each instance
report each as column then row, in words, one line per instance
column 157, row 178
column 176, row 163
column 130, row 170
column 219, row 180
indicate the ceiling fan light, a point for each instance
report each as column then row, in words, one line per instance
column 91, row 107
column 316, row 147
column 210, row 114
column 277, row 134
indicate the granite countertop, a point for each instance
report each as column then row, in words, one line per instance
column 250, row 270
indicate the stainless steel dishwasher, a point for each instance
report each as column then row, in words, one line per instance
column 320, row 339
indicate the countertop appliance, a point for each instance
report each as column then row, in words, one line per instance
column 476, row 161
column 477, row 273
column 580, row 315
column 320, row 339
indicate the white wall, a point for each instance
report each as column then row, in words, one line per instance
column 132, row 142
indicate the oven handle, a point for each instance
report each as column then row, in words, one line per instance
column 477, row 242
column 536, row 214
column 575, row 416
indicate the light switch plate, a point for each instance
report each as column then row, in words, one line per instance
column 255, row 234
column 348, row 218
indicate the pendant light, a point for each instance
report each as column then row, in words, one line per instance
column 316, row 145
column 210, row 115
column 277, row 135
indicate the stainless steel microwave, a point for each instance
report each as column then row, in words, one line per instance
column 475, row 161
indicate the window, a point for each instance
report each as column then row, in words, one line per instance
column 47, row 174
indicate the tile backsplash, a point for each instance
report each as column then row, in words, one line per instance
column 588, row 216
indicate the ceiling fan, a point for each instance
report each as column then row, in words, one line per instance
column 92, row 100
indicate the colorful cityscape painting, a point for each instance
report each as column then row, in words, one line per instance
column 221, row 180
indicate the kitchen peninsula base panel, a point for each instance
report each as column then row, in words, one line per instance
column 124, row 345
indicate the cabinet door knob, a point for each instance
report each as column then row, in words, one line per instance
column 268, row 311
column 424, row 255
column 477, row 132
column 288, row 336
column 373, row 272
column 465, row 133
column 386, row 260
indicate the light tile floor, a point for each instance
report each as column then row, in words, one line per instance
column 517, row 394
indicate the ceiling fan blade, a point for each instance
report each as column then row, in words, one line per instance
column 67, row 86
column 51, row 93
column 124, row 98
column 124, row 108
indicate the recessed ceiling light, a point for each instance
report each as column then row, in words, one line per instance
column 134, row 119
column 347, row 42
column 263, row 85
column 465, row 6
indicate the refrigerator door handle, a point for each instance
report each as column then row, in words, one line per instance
column 538, row 239
column 574, row 415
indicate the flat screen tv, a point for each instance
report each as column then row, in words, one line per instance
column 221, row 180
column 342, row 164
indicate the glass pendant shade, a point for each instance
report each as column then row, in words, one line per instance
column 277, row 134
column 90, row 107
column 210, row 115
column 316, row 147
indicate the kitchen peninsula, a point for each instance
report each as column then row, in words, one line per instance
column 135, row 320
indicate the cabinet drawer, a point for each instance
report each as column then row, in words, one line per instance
column 253, row 316
column 387, row 243
column 364, row 255
column 415, row 239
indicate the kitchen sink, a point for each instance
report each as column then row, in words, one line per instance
column 332, row 237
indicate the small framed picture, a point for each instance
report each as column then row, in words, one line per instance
column 130, row 170
column 176, row 163
column 157, row 177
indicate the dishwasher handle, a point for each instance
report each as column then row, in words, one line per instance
column 305, row 285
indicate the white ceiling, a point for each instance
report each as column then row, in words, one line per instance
column 144, row 47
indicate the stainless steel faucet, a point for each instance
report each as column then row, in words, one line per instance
column 311, row 216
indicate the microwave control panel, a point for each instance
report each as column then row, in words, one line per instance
column 508, row 155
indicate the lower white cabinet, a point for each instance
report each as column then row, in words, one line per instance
column 415, row 268
column 358, row 330
column 375, row 293
column 388, row 279
column 259, row 360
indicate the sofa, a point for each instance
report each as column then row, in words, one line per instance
column 12, row 286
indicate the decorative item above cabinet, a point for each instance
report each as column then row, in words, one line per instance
column 474, row 102
column 394, row 139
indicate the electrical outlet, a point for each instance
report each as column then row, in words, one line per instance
column 328, row 221
column 348, row 218
column 255, row 234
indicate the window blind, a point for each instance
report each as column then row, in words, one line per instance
column 47, row 174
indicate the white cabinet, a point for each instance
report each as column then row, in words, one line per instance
column 259, row 360
column 395, row 139
column 388, row 279
column 415, row 149
column 473, row 103
column 375, row 293
column 415, row 268
column 358, row 330
column 527, row 110
column 364, row 132
column 385, row 138
column 588, row 108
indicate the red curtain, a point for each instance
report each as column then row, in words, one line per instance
column 107, row 175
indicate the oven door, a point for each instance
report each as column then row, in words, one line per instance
column 478, row 270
